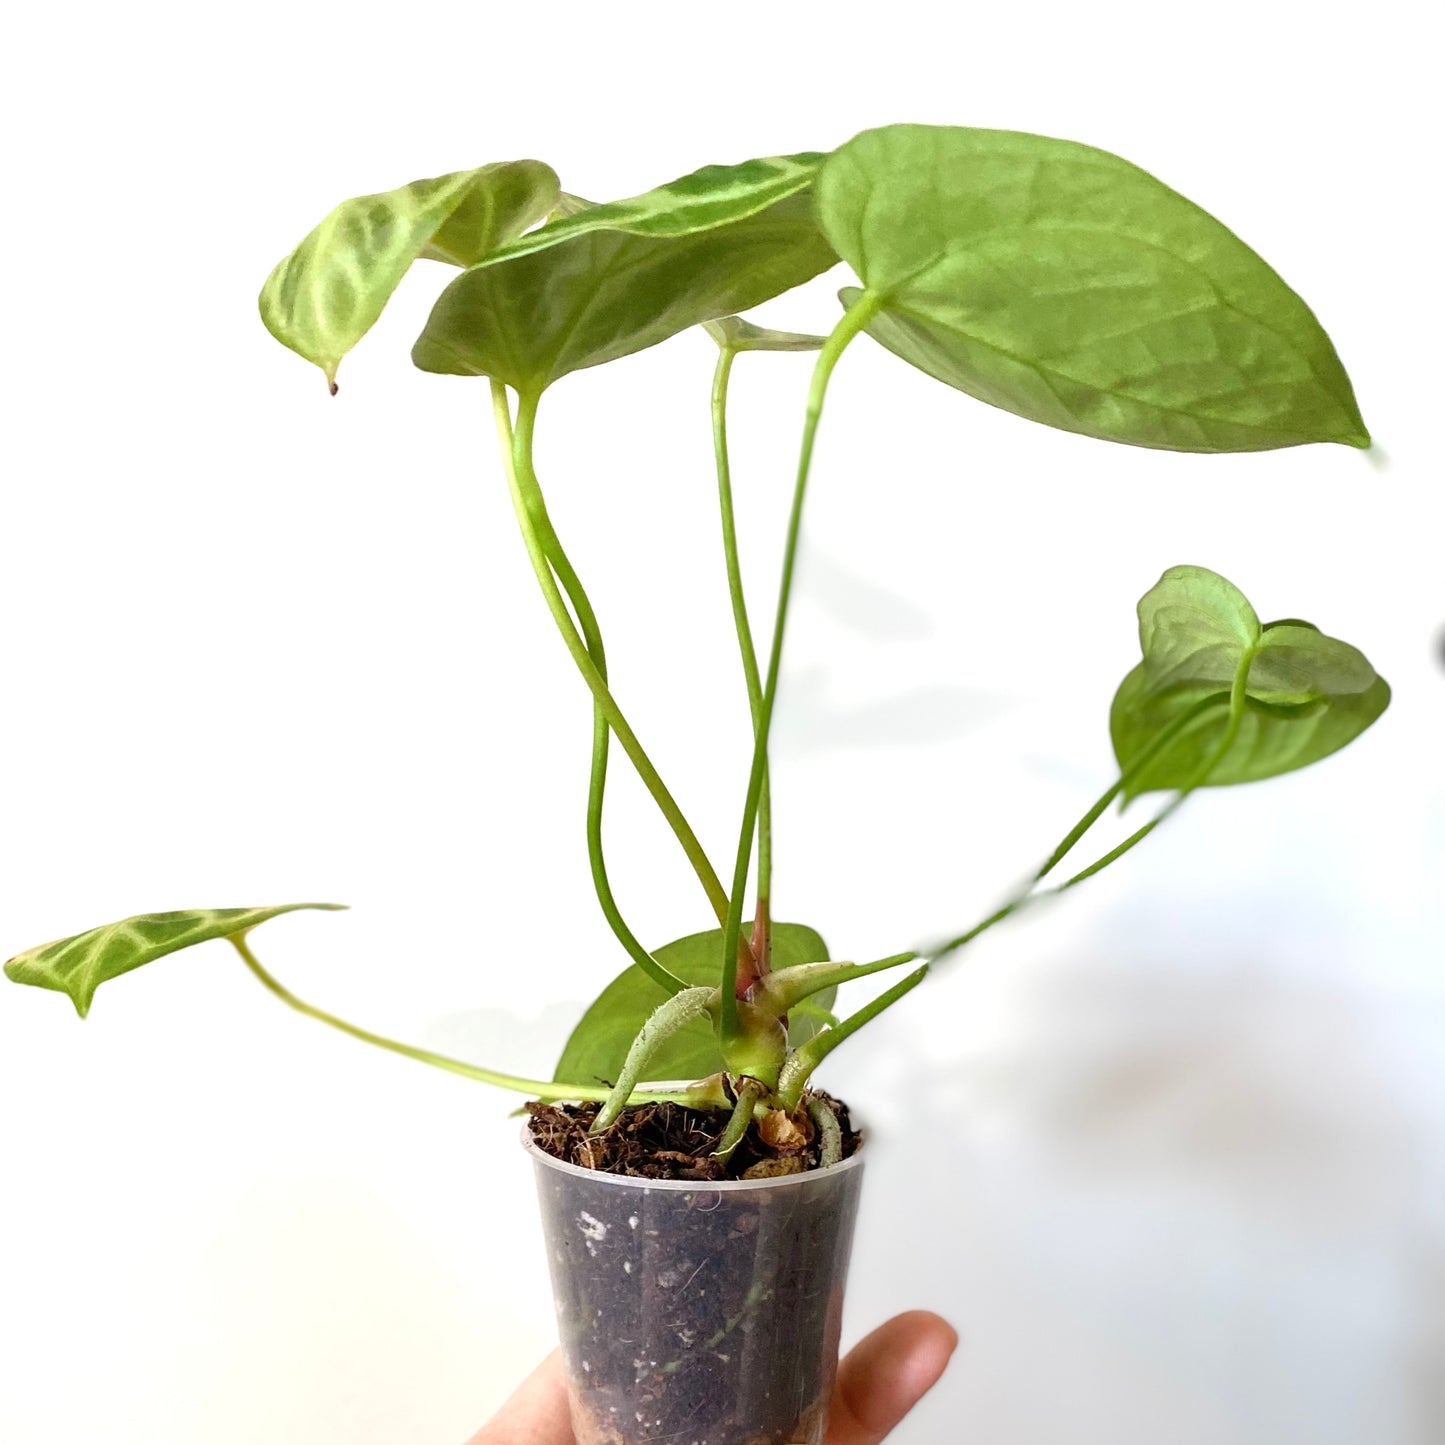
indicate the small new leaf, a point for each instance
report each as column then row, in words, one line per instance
column 79, row 965
column 599, row 1044
column 324, row 297
column 1306, row 694
column 1063, row 284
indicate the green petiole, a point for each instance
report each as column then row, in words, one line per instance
column 853, row 321
column 537, row 1088
column 564, row 572
column 803, row 1060
column 721, row 374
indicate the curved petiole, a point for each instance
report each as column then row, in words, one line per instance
column 566, row 574
column 802, row 1061
column 679, row 1011
column 537, row 1088
column 527, row 502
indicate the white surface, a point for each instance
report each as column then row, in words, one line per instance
column 1169, row 1155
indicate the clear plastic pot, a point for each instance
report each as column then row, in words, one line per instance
column 698, row 1313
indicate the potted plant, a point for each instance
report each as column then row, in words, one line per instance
column 698, row 1190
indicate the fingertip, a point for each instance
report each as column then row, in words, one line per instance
column 537, row 1412
column 890, row 1371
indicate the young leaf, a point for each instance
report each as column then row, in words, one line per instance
column 599, row 1044
column 702, row 201
column 742, row 335
column 79, row 965
column 1194, row 626
column 606, row 293
column 1306, row 694
column 324, row 297
column 1063, row 284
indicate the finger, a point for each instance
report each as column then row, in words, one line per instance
column 536, row 1415
column 885, row 1375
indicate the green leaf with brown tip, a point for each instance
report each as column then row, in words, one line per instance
column 1063, row 284
column 324, row 297
column 79, row 965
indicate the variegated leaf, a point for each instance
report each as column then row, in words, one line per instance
column 79, row 965
column 324, row 297
column 531, row 319
column 707, row 198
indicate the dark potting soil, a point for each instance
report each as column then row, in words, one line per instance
column 670, row 1141
column 695, row 1318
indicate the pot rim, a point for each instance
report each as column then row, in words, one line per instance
column 691, row 1186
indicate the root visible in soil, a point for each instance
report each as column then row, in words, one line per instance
column 670, row 1141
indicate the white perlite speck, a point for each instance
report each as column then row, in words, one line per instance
column 593, row 1231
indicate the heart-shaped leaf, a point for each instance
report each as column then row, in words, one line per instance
column 1306, row 695
column 598, row 1045
column 324, row 297
column 78, row 966
column 605, row 293
column 701, row 201
column 1063, row 284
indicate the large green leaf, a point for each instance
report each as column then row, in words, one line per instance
column 324, row 297
column 1306, row 694
column 607, row 293
column 79, row 965
column 600, row 1041
column 702, row 201
column 1063, row 284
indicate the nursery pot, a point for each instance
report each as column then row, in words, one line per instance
column 698, row 1313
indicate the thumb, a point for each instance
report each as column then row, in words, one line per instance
column 886, row 1375
column 537, row 1414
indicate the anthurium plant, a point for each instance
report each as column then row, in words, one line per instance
column 1042, row 276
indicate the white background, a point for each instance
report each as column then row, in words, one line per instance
column 1168, row 1154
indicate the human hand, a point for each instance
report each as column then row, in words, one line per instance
column 879, row 1381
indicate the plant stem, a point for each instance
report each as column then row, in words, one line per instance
column 679, row 1011
column 538, row 1088
column 853, row 321
column 802, row 1061
column 761, row 935
column 526, row 500
column 1236, row 699
column 825, row 1120
column 1165, row 736
column 749, row 1092
column 597, row 782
